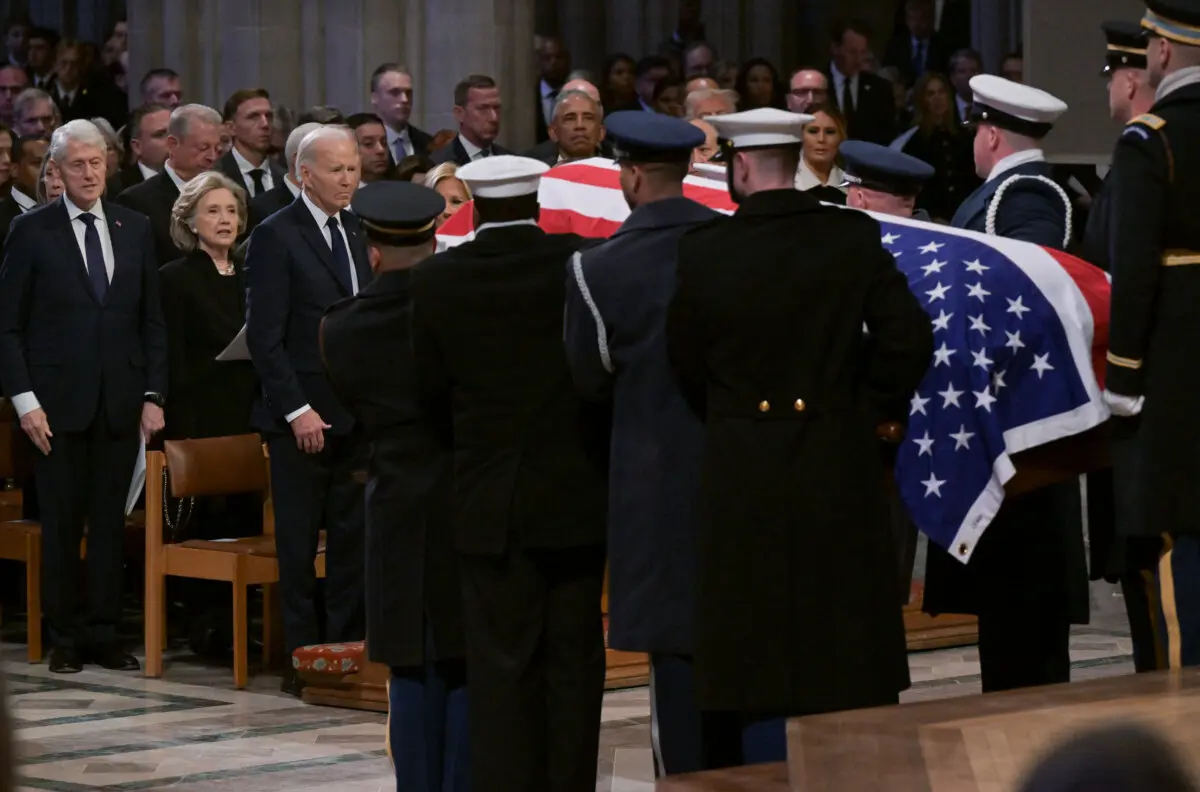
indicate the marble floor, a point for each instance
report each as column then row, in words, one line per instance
column 190, row 731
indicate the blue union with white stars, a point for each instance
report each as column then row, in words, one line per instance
column 1002, row 368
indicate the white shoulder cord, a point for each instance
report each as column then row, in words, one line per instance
column 994, row 207
column 586, row 293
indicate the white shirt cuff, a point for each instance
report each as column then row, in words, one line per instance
column 25, row 403
column 297, row 413
column 1124, row 406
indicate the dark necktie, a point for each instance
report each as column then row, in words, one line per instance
column 487, row 152
column 97, row 274
column 919, row 59
column 258, row 174
column 341, row 256
column 401, row 151
column 847, row 99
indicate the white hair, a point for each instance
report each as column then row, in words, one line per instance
column 292, row 147
column 184, row 116
column 312, row 141
column 693, row 100
column 77, row 131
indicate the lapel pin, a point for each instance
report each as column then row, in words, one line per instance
column 117, row 223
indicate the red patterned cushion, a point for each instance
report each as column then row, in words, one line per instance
column 338, row 659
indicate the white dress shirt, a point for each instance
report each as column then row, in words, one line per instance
column 293, row 188
column 24, row 201
column 147, row 171
column 27, row 402
column 1014, row 160
column 473, row 151
column 405, row 142
column 322, row 221
column 839, row 80
column 245, row 166
column 173, row 176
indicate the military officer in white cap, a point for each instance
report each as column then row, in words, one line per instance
column 1028, row 583
column 1019, row 198
column 529, row 496
column 765, row 334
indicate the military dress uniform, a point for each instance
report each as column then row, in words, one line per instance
column 1124, row 560
column 796, row 583
column 530, row 462
column 1027, row 579
column 615, row 334
column 1154, row 334
column 413, row 593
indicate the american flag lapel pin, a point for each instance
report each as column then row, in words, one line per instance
column 117, row 223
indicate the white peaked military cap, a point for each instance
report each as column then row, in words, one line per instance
column 502, row 176
column 765, row 127
column 1013, row 106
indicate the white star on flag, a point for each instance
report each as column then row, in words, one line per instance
column 998, row 381
column 976, row 267
column 962, row 438
column 981, row 359
column 918, row 404
column 938, row 292
column 950, row 396
column 926, row 444
column 977, row 323
column 942, row 356
column 1014, row 341
column 984, row 399
column 936, row 266
column 978, row 291
column 933, row 485
column 1041, row 364
column 888, row 239
column 1017, row 307
column 933, row 247
column 943, row 320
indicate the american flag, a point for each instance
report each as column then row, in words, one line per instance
column 1019, row 332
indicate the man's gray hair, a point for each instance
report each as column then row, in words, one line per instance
column 184, row 116
column 566, row 96
column 28, row 97
column 308, row 146
column 696, row 97
column 292, row 147
column 77, row 131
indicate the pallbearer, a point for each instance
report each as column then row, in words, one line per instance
column 617, row 296
column 882, row 179
column 797, row 585
column 1154, row 335
column 414, row 612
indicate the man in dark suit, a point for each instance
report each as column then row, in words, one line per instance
column 865, row 99
column 529, row 489
column 576, row 132
column 288, row 190
column 248, row 116
column 548, row 151
column 773, row 362
column 477, row 110
column 85, row 381
column 193, row 135
column 1027, row 581
column 392, row 100
column 414, row 595
column 554, row 64
column 148, row 144
column 617, row 296
column 27, row 156
column 300, row 261
column 916, row 46
column 965, row 65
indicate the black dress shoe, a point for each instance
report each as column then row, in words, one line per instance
column 292, row 684
column 114, row 659
column 65, row 660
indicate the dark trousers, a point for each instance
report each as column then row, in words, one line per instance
column 1176, row 601
column 427, row 725
column 684, row 738
column 85, row 478
column 535, row 651
column 311, row 493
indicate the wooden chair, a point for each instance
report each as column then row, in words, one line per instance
column 210, row 466
column 20, row 540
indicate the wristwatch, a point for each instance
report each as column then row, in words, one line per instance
column 157, row 399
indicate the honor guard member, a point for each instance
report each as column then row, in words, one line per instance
column 1154, row 335
column 1027, row 581
column 882, row 179
column 1019, row 198
column 617, row 297
column 1129, row 96
column 766, row 335
column 530, row 461
column 414, row 610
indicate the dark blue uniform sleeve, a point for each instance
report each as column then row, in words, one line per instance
column 1032, row 211
column 586, row 334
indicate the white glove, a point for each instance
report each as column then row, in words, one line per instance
column 1124, row 406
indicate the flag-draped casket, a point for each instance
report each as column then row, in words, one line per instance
column 1019, row 332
